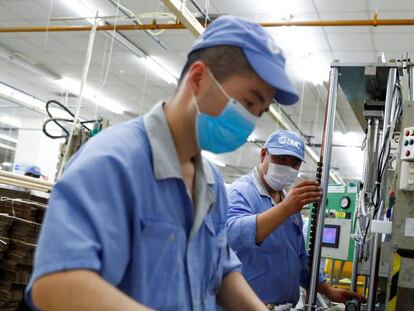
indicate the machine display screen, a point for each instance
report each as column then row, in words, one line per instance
column 330, row 236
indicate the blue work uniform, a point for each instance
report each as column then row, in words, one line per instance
column 277, row 267
column 123, row 210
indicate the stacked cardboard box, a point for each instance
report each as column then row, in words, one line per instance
column 20, row 220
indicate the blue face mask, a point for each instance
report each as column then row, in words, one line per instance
column 229, row 130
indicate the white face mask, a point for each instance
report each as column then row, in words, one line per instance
column 279, row 177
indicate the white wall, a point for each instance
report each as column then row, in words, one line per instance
column 35, row 148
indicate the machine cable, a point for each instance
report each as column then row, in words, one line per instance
column 63, row 122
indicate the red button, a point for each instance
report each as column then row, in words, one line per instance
column 407, row 153
column 407, row 133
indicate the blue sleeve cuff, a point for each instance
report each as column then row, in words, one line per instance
column 232, row 263
column 242, row 233
column 321, row 278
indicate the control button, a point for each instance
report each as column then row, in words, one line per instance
column 406, row 143
column 407, row 153
column 411, row 141
column 407, row 133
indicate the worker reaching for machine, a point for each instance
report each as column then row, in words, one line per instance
column 265, row 224
column 138, row 219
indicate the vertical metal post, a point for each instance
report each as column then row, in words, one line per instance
column 326, row 152
column 357, row 218
column 375, row 256
column 368, row 180
column 85, row 71
column 411, row 80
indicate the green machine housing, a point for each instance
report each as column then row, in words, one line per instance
column 337, row 241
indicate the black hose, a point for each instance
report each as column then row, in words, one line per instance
column 59, row 121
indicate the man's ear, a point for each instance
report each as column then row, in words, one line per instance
column 262, row 155
column 195, row 75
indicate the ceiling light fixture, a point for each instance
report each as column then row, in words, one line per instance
column 27, row 63
column 212, row 158
column 91, row 94
column 8, row 138
column 10, row 121
column 82, row 9
column 156, row 68
column 4, row 146
column 16, row 96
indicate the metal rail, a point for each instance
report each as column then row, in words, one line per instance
column 25, row 181
column 376, row 247
column 323, row 169
column 411, row 81
column 154, row 26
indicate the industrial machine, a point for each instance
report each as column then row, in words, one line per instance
column 337, row 241
column 74, row 133
column 372, row 225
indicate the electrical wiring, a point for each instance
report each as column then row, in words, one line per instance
column 367, row 212
column 61, row 122
column 386, row 147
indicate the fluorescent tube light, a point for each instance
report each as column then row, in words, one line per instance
column 156, row 68
column 21, row 98
column 8, row 138
column 82, row 9
column 27, row 63
column 10, row 121
column 4, row 146
column 211, row 157
column 91, row 94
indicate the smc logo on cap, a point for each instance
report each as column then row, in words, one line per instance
column 286, row 140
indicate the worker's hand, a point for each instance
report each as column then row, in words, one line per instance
column 342, row 295
column 304, row 192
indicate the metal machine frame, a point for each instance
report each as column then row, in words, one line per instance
column 372, row 182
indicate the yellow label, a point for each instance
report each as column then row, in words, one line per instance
column 340, row 214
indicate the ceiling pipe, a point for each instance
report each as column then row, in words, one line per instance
column 328, row 23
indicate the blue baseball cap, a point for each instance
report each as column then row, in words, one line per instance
column 265, row 57
column 34, row 170
column 283, row 142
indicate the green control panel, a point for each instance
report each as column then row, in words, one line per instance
column 337, row 242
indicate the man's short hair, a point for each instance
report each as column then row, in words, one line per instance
column 224, row 61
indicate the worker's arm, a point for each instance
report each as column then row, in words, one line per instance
column 305, row 192
column 241, row 221
column 86, row 227
column 236, row 294
column 80, row 290
column 337, row 294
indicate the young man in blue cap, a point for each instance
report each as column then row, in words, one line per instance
column 138, row 219
column 265, row 224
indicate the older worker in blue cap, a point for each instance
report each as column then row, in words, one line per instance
column 138, row 220
column 265, row 224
